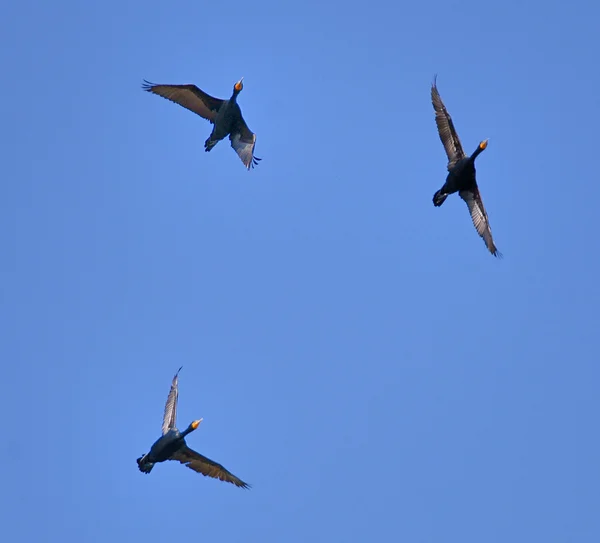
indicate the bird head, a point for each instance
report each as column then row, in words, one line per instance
column 238, row 86
column 195, row 424
column 483, row 144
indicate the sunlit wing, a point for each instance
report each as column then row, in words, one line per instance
column 170, row 416
column 446, row 129
column 243, row 141
column 480, row 218
column 205, row 466
column 188, row 96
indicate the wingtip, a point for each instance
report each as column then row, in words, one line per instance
column 254, row 162
column 147, row 85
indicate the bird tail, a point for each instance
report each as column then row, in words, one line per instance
column 144, row 465
column 439, row 197
column 209, row 144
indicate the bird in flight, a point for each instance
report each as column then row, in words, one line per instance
column 461, row 172
column 172, row 446
column 224, row 115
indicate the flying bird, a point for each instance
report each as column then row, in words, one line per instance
column 224, row 115
column 461, row 172
column 172, row 446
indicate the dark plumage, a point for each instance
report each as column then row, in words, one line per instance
column 461, row 172
column 172, row 446
column 225, row 115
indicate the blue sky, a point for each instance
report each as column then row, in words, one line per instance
column 357, row 355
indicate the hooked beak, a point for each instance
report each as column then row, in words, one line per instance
column 196, row 423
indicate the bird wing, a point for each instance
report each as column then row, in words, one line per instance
column 206, row 466
column 446, row 129
column 480, row 218
column 170, row 416
column 243, row 141
column 188, row 96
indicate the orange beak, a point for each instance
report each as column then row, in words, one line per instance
column 196, row 423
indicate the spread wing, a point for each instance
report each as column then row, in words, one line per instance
column 170, row 416
column 188, row 96
column 205, row 466
column 446, row 129
column 243, row 141
column 480, row 218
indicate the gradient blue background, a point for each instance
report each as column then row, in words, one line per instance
column 357, row 354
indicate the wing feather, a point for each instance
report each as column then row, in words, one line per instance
column 188, row 96
column 170, row 416
column 206, row 466
column 446, row 129
column 243, row 141
column 480, row 218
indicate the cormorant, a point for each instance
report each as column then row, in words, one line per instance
column 172, row 446
column 225, row 115
column 461, row 172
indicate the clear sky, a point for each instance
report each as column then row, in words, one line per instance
column 357, row 355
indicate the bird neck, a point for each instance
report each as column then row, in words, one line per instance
column 477, row 152
column 188, row 430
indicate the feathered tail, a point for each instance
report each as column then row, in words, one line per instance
column 209, row 144
column 439, row 197
column 144, row 465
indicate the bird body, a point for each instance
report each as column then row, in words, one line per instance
column 171, row 445
column 225, row 115
column 162, row 449
column 225, row 119
column 461, row 176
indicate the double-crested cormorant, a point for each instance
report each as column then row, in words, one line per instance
column 461, row 172
column 172, row 446
column 225, row 115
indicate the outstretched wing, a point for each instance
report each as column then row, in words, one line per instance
column 480, row 218
column 205, row 466
column 188, row 96
column 446, row 129
column 243, row 141
column 170, row 416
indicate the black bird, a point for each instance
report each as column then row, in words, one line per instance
column 225, row 115
column 461, row 172
column 172, row 446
